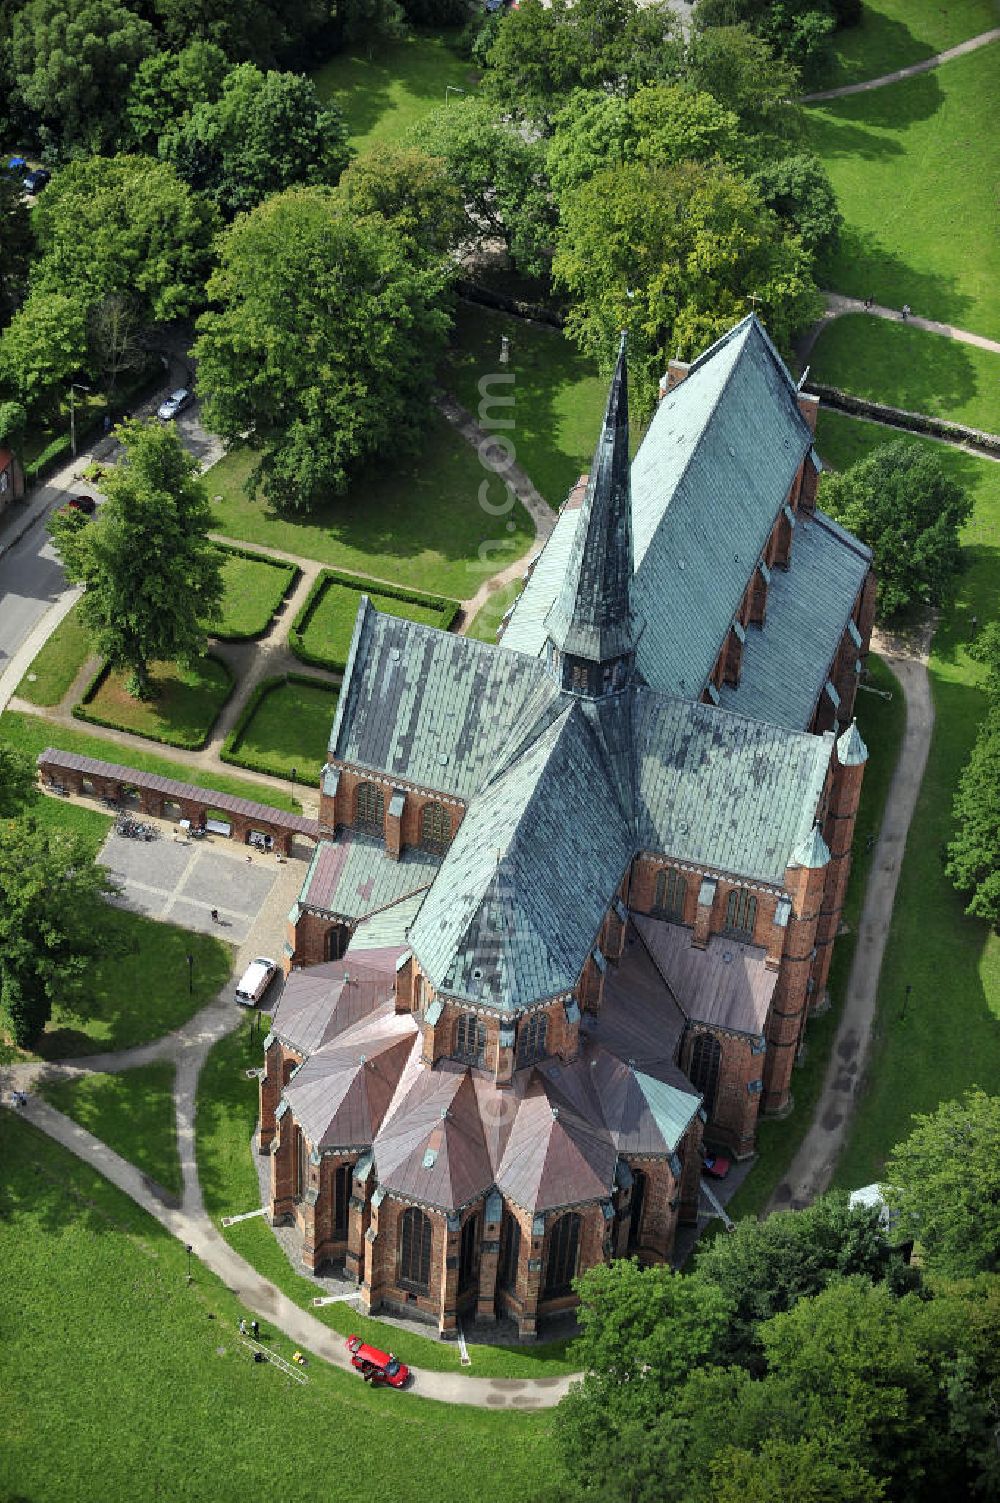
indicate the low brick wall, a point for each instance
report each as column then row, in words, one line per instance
column 910, row 422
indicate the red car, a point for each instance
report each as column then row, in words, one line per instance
column 85, row 504
column 715, row 1166
column 375, row 1366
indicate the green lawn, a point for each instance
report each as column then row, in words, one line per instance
column 915, row 167
column 907, row 367
column 185, row 703
column 32, row 734
column 226, row 1116
column 559, row 398
column 382, row 96
column 289, row 731
column 58, row 663
column 409, row 520
column 882, row 723
column 119, row 1380
column 132, row 1112
column 895, row 33
column 254, row 589
column 950, row 1034
column 143, row 994
column 489, row 616
column 330, row 623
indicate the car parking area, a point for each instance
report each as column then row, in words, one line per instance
column 182, row 881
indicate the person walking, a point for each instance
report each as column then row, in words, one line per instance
column 906, row 312
column 215, row 915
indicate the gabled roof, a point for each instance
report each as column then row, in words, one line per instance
column 726, row 985
column 722, row 791
column 340, row 1095
column 432, row 1148
column 591, row 617
column 527, row 880
column 352, row 877
column 643, row 1114
column 429, row 707
column 786, row 662
column 557, row 1154
column 710, row 477
column 525, row 631
column 324, row 1000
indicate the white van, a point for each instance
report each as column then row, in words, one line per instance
column 255, row 981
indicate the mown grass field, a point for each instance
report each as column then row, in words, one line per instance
column 226, row 1116
column 382, row 96
column 551, row 409
column 253, row 590
column 133, row 1112
column 31, row 734
column 949, row 1037
column 289, row 730
column 118, row 1380
column 487, row 619
column 182, row 710
column 410, row 519
column 895, row 33
column 907, row 367
column 58, row 663
column 328, row 632
column 915, row 167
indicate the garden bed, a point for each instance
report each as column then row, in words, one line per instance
column 284, row 728
column 254, row 589
column 182, row 712
column 322, row 631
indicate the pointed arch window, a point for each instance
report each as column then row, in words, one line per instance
column 741, row 913
column 706, row 1059
column 531, row 1038
column 435, row 827
column 671, row 891
column 301, row 1164
column 468, row 1254
column 342, row 1178
column 510, row 1251
column 470, row 1039
column 415, row 1251
column 369, row 807
column 563, row 1255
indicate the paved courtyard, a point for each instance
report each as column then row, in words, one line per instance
column 168, row 879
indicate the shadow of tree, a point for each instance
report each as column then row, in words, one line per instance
column 901, row 365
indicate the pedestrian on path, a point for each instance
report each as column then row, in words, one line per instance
column 255, row 1329
column 215, row 915
column 869, row 303
column 906, row 312
column 243, row 1328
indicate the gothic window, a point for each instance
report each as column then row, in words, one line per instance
column 563, row 1254
column 741, row 913
column 468, row 1254
column 580, row 678
column 415, row 1251
column 470, row 1039
column 510, row 1251
column 301, row 1165
column 531, row 1038
column 336, row 941
column 706, row 1057
column 637, row 1208
column 671, row 890
column 341, row 1198
column 435, row 827
column 418, row 995
column 369, row 807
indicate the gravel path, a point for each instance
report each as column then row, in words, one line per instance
column 972, row 45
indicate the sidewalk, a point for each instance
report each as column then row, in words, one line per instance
column 972, row 45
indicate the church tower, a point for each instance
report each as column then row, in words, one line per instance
column 590, row 631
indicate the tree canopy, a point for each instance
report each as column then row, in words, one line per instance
column 974, row 850
column 73, row 61
column 901, row 502
column 54, row 923
column 799, row 32
column 263, row 133
column 944, row 1181
column 17, row 781
column 16, row 244
column 412, row 191
column 321, row 343
column 167, row 86
column 42, row 347
column 151, row 577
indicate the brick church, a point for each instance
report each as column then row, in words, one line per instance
column 575, row 894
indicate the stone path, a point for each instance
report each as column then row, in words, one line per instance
column 983, row 40
column 811, row 1169
column 837, row 305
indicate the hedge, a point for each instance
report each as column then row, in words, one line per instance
column 56, row 451
column 81, row 712
column 447, row 610
column 911, row 422
column 293, row 572
column 228, row 752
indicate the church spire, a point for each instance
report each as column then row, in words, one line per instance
column 590, row 621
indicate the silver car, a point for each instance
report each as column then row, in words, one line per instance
column 175, row 403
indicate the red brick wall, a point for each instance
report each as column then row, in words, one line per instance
column 341, row 810
column 733, row 1120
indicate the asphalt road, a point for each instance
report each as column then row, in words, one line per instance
column 31, row 576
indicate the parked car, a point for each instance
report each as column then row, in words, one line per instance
column 18, row 166
column 175, row 403
column 376, row 1367
column 35, row 181
column 86, row 504
column 255, row 979
column 716, row 1166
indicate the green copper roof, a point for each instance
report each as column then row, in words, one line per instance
column 786, row 662
column 851, row 750
column 525, row 885
column 812, row 851
column 525, row 631
column 590, row 616
column 710, row 477
column 723, row 791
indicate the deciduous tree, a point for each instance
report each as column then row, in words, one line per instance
column 901, row 502
column 944, row 1180
column 54, row 923
column 322, row 341
column 151, row 577
column 17, row 781
column 16, row 244
column 166, row 88
column 799, row 191
column 410, row 189
column 42, row 347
